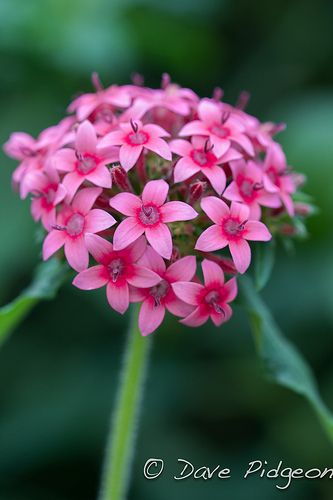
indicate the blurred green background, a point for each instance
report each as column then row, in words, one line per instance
column 206, row 398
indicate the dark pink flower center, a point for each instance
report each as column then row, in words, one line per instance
column 159, row 292
column 203, row 158
column 75, row 225
column 86, row 163
column 212, row 300
column 233, row 228
column 137, row 138
column 149, row 215
column 247, row 188
column 273, row 176
column 116, row 269
column 219, row 130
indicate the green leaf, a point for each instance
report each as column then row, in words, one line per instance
column 264, row 256
column 48, row 278
column 283, row 363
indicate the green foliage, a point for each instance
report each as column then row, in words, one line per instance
column 48, row 278
column 283, row 363
column 264, row 257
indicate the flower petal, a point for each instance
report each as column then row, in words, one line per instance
column 209, row 111
column 71, row 183
column 211, row 239
column 218, row 319
column 189, row 292
column 160, row 239
column 176, row 306
column 256, row 231
column 177, row 211
column 86, row 139
column 182, row 270
column 53, row 241
column 100, row 177
column 143, row 277
column 155, row 192
column 118, row 296
column 231, row 289
column 240, row 211
column 126, row 203
column 241, row 254
column 197, row 318
column 193, row 128
column 184, row 169
column 127, row 232
column 150, row 316
column 85, row 199
column 212, row 273
column 215, row 208
column 153, row 261
column 129, row 155
column 98, row 247
column 216, row 177
column 160, row 147
column 98, row 220
column 89, row 279
column 181, row 147
column 76, row 253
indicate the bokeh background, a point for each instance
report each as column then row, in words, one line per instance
column 206, row 398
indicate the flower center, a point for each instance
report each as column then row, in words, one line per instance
column 75, row 225
column 220, row 131
column 233, row 227
column 273, row 176
column 212, row 299
column 159, row 291
column 149, row 215
column 116, row 269
column 137, row 138
column 202, row 158
column 86, row 163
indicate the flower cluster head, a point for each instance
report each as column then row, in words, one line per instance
column 138, row 186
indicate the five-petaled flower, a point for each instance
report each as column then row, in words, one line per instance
column 161, row 297
column 150, row 215
column 211, row 299
column 232, row 227
column 116, row 270
column 74, row 222
column 133, row 138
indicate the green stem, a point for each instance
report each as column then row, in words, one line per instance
column 121, row 441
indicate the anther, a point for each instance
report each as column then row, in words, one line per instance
column 134, row 126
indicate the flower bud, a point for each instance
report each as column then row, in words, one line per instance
column 196, row 190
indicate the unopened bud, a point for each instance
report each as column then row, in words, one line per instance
column 120, row 179
column 303, row 209
column 218, row 94
column 197, row 189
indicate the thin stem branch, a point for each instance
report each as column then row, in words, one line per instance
column 121, row 440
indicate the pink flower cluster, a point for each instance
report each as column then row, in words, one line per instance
column 137, row 184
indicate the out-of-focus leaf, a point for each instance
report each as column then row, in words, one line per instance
column 48, row 278
column 264, row 256
column 283, row 363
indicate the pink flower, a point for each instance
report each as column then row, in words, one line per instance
column 232, row 227
column 116, row 270
column 149, row 215
column 47, row 193
column 160, row 297
column 277, row 178
column 87, row 162
column 222, row 127
column 104, row 101
column 210, row 300
column 133, row 137
column 199, row 156
column 73, row 224
column 248, row 187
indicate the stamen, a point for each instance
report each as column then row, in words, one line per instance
column 243, row 100
column 134, row 126
column 208, row 146
column 257, row 186
column 218, row 94
column 59, row 227
column 166, row 80
column 225, row 116
column 242, row 225
column 219, row 309
column 96, row 82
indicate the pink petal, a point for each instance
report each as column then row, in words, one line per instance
column 100, row 177
column 241, row 254
column 193, row 128
column 177, row 307
column 209, row 111
column 143, row 277
column 60, row 194
column 160, row 147
column 34, row 182
column 137, row 294
column 155, row 130
column 232, row 193
column 85, row 199
column 155, row 192
column 256, row 231
column 86, row 139
column 89, row 279
column 137, row 249
column 126, row 203
column 98, row 247
column 150, row 317
column 182, row 270
column 181, row 147
column 64, row 160
column 240, row 211
column 211, row 239
column 216, row 177
column 53, row 241
column 244, row 142
column 197, row 318
column 129, row 155
column 153, row 260
column 230, row 155
column 231, row 288
column 127, row 232
column 118, row 296
column 184, row 169
column 115, row 138
column 160, row 239
column 49, row 219
column 71, row 183
column 189, row 292
column 221, row 146
column 98, row 220
column 288, row 203
column 212, row 273
column 177, row 211
column 215, row 208
column 76, row 253
column 218, row 319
